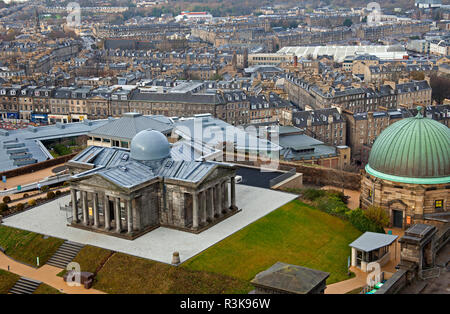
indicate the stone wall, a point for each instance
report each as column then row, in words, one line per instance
column 314, row 174
column 413, row 200
column 394, row 284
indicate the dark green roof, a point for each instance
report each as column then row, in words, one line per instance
column 412, row 150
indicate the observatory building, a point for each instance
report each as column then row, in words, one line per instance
column 127, row 193
column 408, row 173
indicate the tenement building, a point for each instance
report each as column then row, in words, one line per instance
column 127, row 193
column 408, row 173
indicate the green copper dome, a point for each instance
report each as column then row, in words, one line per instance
column 412, row 150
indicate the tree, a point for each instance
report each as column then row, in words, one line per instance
column 440, row 88
column 348, row 22
column 418, row 75
column 378, row 215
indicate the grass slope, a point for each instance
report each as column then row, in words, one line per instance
column 295, row 233
column 128, row 274
column 25, row 246
column 90, row 258
column 7, row 281
column 46, row 289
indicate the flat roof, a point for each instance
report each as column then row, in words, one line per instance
column 371, row 241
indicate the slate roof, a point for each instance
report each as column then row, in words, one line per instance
column 116, row 165
column 290, row 278
column 13, row 143
column 129, row 125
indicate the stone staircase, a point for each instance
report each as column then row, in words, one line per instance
column 65, row 254
column 24, row 286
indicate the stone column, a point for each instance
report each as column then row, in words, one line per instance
column 73, row 194
column 225, row 196
column 136, row 215
column 211, row 203
column 129, row 217
column 95, row 209
column 204, row 207
column 106, row 214
column 117, row 215
column 194, row 210
column 353, row 257
column 85, row 208
column 219, row 199
column 233, row 194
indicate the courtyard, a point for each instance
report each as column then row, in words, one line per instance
column 160, row 243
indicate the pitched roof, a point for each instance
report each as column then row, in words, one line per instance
column 129, row 125
column 290, row 278
column 370, row 241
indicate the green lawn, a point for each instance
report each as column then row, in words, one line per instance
column 7, row 281
column 90, row 258
column 129, row 274
column 295, row 233
column 25, row 246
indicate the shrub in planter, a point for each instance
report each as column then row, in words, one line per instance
column 58, row 193
column 3, row 207
column 50, row 195
column 32, row 202
column 25, row 195
column 20, row 206
column 6, row 199
column 44, row 188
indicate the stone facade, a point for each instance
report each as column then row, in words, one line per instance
column 98, row 204
column 413, row 201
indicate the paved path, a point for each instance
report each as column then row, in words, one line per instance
column 348, row 285
column 46, row 274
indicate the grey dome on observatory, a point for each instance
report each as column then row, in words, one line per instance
column 149, row 145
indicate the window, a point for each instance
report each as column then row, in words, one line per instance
column 439, row 204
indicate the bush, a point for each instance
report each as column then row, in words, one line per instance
column 58, row 193
column 3, row 207
column 50, row 195
column 44, row 188
column 358, row 219
column 20, row 206
column 378, row 215
column 6, row 199
column 25, row 195
column 32, row 202
column 313, row 194
column 65, row 184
